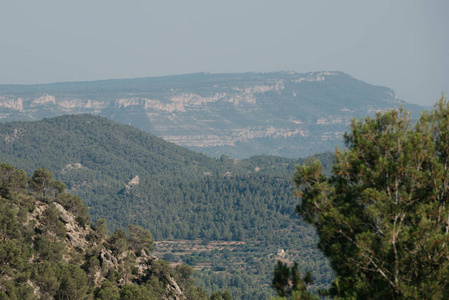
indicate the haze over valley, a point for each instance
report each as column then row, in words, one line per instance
column 206, row 150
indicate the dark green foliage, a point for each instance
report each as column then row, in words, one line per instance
column 140, row 239
column 108, row 291
column 118, row 242
column 11, row 256
column 41, row 181
column 9, row 220
column 194, row 292
column 73, row 283
column 184, row 273
column 288, row 283
column 58, row 187
column 382, row 216
column 216, row 208
column 101, row 228
column 135, row 292
column 45, row 276
column 170, row 257
column 281, row 280
column 48, row 250
column 51, row 221
column 161, row 268
column 16, row 291
column 11, row 179
column 219, row 295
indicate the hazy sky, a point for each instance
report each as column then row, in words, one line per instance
column 399, row 44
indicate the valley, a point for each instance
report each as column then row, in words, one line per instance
column 231, row 213
column 127, row 176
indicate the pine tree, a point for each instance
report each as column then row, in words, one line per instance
column 383, row 214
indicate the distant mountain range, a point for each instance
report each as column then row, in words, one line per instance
column 240, row 115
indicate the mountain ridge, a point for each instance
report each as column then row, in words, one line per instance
column 240, row 115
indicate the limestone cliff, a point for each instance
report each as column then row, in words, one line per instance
column 240, row 115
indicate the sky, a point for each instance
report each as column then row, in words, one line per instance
column 400, row 44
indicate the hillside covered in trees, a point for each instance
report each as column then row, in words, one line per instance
column 128, row 176
column 49, row 249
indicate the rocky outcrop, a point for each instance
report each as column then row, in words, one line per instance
column 70, row 167
column 80, row 238
column 133, row 182
column 11, row 103
column 42, row 100
column 10, row 138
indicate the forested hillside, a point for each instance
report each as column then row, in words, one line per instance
column 49, row 250
column 128, row 176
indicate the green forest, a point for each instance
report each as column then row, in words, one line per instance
column 180, row 195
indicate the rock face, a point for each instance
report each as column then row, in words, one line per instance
column 240, row 115
column 79, row 238
column 135, row 181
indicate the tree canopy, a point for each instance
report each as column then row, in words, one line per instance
column 181, row 195
column 382, row 216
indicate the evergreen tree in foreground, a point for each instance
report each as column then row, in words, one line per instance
column 383, row 215
column 288, row 283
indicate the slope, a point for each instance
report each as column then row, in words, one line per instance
column 128, row 176
column 48, row 250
